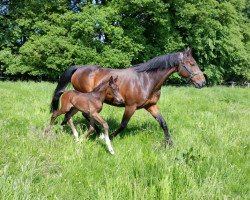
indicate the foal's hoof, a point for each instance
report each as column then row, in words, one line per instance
column 46, row 133
column 80, row 141
column 112, row 152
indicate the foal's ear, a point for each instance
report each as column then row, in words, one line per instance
column 116, row 78
column 188, row 52
column 111, row 80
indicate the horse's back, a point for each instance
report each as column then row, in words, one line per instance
column 131, row 84
column 84, row 79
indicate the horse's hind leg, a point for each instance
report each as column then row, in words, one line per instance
column 99, row 119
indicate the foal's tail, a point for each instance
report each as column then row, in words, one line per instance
column 62, row 83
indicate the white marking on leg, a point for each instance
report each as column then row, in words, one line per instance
column 110, row 148
column 102, row 137
column 75, row 133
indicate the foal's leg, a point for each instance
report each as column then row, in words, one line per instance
column 129, row 111
column 69, row 115
column 91, row 127
column 97, row 129
column 99, row 119
column 86, row 116
column 154, row 111
column 68, row 118
column 52, row 120
column 73, row 128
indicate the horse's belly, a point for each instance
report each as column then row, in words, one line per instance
column 152, row 100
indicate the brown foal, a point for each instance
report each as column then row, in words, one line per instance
column 91, row 105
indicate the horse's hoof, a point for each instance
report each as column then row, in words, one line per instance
column 169, row 143
column 112, row 136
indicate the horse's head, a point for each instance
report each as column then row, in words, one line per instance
column 189, row 70
column 114, row 90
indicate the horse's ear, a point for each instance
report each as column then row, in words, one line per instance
column 111, row 80
column 116, row 78
column 188, row 52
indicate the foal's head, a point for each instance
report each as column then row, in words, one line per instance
column 113, row 91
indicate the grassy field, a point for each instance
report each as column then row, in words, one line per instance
column 210, row 127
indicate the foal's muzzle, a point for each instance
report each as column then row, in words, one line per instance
column 119, row 100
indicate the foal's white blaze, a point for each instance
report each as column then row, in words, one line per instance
column 110, row 148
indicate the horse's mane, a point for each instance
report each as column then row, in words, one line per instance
column 160, row 62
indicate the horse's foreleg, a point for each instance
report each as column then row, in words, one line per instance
column 129, row 111
column 99, row 119
column 154, row 111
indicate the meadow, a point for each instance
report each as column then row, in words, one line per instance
column 210, row 159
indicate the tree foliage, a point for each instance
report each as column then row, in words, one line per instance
column 43, row 38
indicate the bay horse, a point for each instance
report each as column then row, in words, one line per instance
column 139, row 85
column 89, row 103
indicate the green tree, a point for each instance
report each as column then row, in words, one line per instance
column 42, row 38
column 218, row 32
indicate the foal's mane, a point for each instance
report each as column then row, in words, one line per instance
column 160, row 62
column 101, row 85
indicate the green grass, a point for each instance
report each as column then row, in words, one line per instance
column 210, row 128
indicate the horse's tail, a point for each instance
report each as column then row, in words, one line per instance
column 62, row 83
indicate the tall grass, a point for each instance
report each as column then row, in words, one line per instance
column 210, row 160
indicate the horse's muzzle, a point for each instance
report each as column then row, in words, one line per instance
column 200, row 84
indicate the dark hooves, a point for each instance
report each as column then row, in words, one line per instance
column 169, row 143
column 111, row 137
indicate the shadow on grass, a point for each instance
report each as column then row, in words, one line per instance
column 147, row 127
column 131, row 129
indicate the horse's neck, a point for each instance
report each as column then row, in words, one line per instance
column 160, row 76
